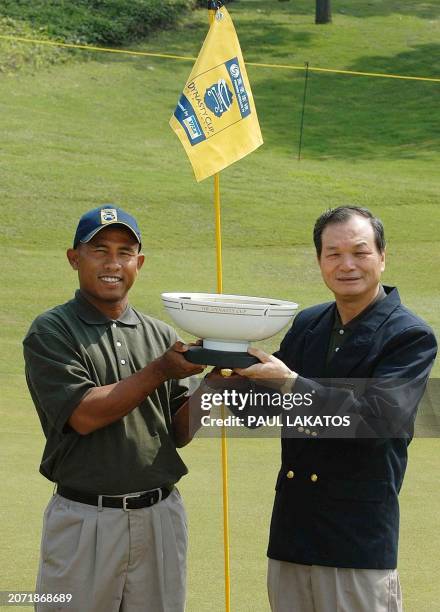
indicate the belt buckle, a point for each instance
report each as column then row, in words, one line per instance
column 128, row 496
column 134, row 495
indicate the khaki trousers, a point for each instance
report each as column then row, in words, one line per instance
column 315, row 588
column 111, row 560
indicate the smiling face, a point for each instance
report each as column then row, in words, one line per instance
column 107, row 267
column 351, row 264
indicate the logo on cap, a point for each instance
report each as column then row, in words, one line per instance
column 108, row 215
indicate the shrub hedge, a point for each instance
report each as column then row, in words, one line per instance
column 18, row 56
column 110, row 22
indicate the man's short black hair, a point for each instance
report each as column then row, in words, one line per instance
column 342, row 214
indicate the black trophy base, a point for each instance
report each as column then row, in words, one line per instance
column 221, row 359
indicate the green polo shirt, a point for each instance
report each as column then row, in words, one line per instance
column 73, row 348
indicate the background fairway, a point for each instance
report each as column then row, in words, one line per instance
column 96, row 131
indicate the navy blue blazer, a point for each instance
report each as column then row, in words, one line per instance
column 336, row 501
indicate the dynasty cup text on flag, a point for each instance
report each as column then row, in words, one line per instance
column 215, row 117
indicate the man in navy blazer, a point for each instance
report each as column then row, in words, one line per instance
column 335, row 522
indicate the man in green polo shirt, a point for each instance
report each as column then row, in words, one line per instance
column 109, row 387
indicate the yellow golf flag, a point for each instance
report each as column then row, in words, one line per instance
column 215, row 117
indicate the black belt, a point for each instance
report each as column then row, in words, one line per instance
column 131, row 501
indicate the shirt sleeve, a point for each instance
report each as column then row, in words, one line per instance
column 179, row 390
column 179, row 393
column 56, row 375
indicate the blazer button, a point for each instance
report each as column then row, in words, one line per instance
column 314, row 477
column 290, row 474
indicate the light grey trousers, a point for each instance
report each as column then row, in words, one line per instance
column 315, row 588
column 111, row 560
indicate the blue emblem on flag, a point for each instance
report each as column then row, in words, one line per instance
column 218, row 98
column 186, row 116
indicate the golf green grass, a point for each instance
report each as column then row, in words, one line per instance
column 90, row 132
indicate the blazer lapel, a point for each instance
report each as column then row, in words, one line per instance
column 316, row 345
column 360, row 343
column 351, row 354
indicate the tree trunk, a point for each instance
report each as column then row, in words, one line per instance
column 323, row 13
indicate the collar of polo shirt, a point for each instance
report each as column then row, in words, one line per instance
column 91, row 315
